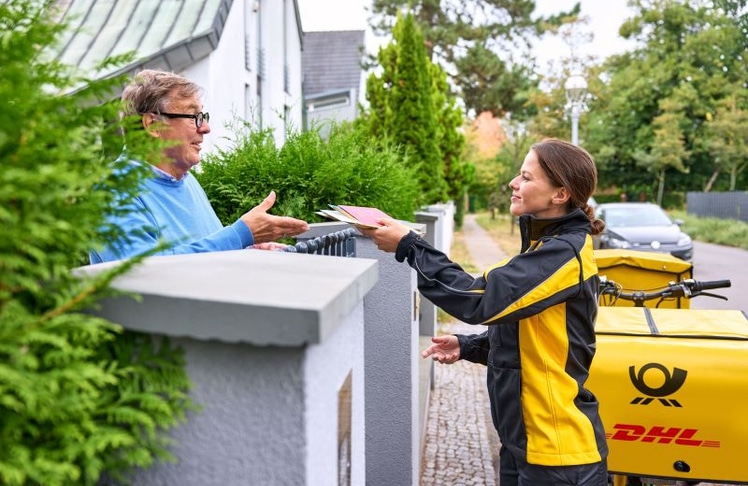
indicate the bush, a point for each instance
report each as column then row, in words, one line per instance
column 308, row 174
column 727, row 232
column 78, row 398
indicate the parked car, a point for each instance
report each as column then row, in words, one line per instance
column 642, row 226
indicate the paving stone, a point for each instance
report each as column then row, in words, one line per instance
column 457, row 448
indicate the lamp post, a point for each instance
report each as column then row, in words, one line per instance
column 576, row 89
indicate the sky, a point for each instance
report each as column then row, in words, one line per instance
column 605, row 18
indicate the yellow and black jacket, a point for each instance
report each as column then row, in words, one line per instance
column 540, row 307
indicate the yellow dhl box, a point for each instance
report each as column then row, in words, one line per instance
column 642, row 271
column 673, row 387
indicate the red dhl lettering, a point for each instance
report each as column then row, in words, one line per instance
column 660, row 435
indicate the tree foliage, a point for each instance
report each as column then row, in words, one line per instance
column 658, row 112
column 458, row 173
column 403, row 109
column 495, row 169
column 308, row 173
column 482, row 44
column 73, row 406
column 727, row 138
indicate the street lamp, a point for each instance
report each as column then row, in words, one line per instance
column 576, row 89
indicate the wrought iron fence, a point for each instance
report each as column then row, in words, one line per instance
column 340, row 243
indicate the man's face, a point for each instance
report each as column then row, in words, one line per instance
column 182, row 136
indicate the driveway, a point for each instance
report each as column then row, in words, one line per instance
column 715, row 262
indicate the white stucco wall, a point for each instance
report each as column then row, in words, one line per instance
column 327, row 365
column 391, row 372
column 230, row 90
column 222, row 76
column 295, row 99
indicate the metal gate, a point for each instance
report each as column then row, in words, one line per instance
column 340, row 243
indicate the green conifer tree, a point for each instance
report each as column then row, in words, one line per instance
column 402, row 107
column 78, row 398
column 458, row 173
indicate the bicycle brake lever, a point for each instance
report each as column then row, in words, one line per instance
column 707, row 294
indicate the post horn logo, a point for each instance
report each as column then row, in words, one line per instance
column 671, row 384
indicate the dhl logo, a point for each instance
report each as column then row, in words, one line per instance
column 660, row 435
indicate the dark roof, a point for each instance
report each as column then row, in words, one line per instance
column 164, row 34
column 331, row 61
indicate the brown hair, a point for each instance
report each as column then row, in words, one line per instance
column 573, row 168
column 151, row 89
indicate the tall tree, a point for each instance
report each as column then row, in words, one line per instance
column 691, row 57
column 483, row 45
column 667, row 149
column 457, row 172
column 728, row 136
column 402, row 107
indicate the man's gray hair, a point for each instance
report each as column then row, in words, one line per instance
column 151, row 89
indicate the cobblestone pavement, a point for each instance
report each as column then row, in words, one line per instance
column 461, row 445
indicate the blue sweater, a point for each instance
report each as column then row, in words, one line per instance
column 177, row 212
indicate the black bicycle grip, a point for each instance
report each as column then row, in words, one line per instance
column 712, row 284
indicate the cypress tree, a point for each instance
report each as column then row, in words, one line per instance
column 402, row 108
column 458, row 173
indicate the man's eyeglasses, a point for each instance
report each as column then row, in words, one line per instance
column 199, row 117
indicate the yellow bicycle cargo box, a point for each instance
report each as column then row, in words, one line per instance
column 673, row 388
column 645, row 271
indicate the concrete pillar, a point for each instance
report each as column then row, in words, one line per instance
column 391, row 372
column 428, row 312
column 274, row 344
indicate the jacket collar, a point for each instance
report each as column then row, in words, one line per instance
column 532, row 229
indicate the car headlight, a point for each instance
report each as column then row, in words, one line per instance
column 616, row 242
column 684, row 240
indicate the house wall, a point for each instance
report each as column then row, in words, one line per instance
column 231, row 90
column 321, row 117
column 294, row 97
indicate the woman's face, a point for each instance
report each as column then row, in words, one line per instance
column 533, row 193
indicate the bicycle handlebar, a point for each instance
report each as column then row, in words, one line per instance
column 714, row 284
column 687, row 288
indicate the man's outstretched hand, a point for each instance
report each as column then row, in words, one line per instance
column 267, row 227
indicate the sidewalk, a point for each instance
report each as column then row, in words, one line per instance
column 461, row 445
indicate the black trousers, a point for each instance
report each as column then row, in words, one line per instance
column 515, row 471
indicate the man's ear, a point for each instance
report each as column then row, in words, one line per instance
column 561, row 196
column 150, row 124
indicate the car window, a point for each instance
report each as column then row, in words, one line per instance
column 636, row 216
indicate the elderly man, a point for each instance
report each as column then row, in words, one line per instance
column 172, row 207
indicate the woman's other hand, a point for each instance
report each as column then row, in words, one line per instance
column 445, row 349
